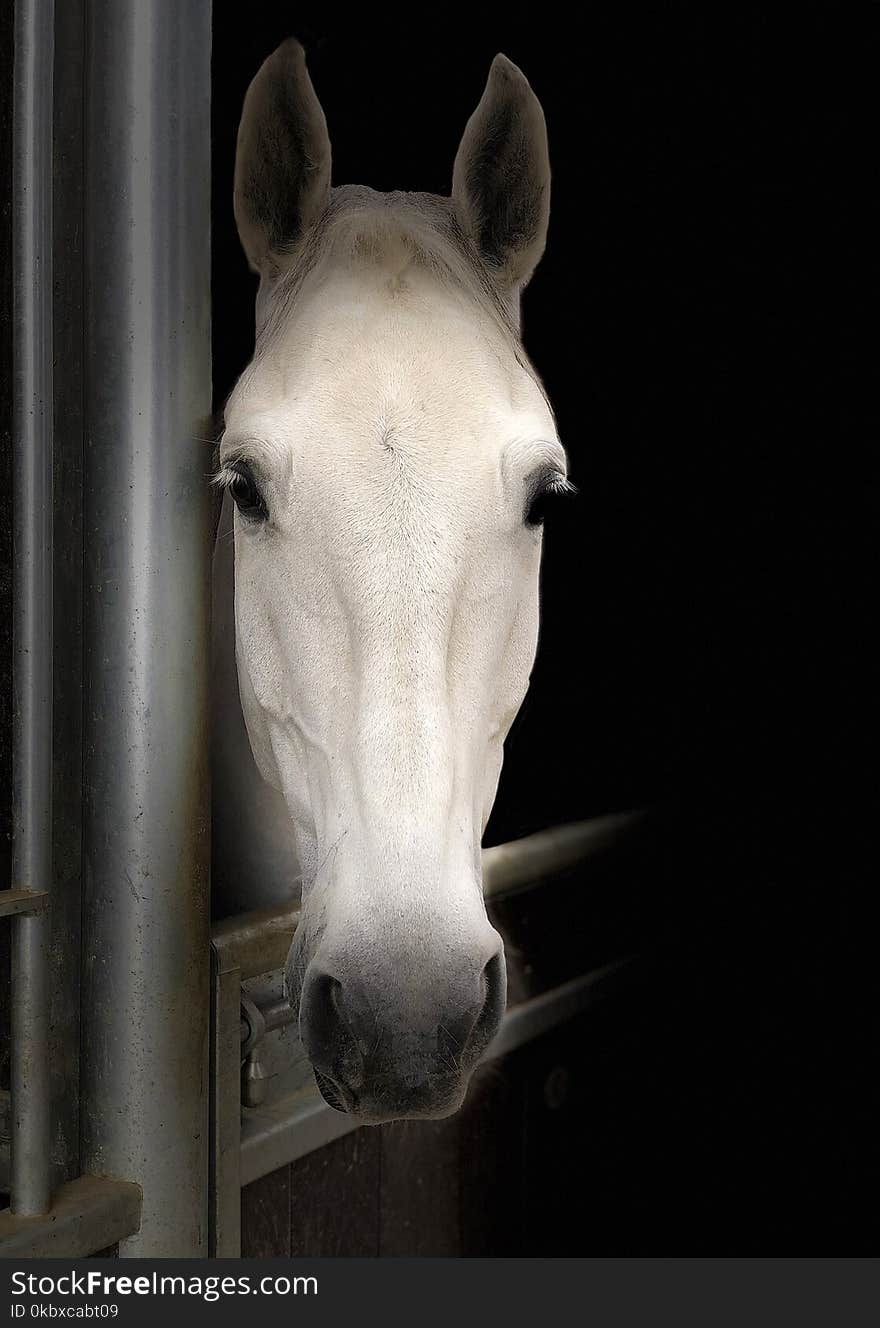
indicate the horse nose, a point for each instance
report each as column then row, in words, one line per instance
column 374, row 1050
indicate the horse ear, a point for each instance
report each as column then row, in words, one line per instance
column 282, row 162
column 501, row 180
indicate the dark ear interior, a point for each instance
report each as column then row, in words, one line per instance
column 501, row 180
column 282, row 162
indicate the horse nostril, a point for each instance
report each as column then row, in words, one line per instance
column 324, row 1025
column 330, row 1092
column 493, row 983
column 318, row 1007
column 470, row 1032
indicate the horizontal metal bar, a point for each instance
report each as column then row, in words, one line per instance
column 255, row 942
column 86, row 1215
column 282, row 1131
column 519, row 864
column 17, row 902
column 289, row 1128
column 276, row 1014
column 258, row 942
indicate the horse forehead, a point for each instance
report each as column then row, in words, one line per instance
column 387, row 425
column 359, row 353
column 407, row 434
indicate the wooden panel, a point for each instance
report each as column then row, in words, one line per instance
column 561, row 1198
column 419, row 1192
column 334, row 1199
column 491, row 1148
column 571, row 1146
column 265, row 1217
column 620, row 1106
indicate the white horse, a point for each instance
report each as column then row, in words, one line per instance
column 389, row 454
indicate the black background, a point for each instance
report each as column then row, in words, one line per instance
column 694, row 323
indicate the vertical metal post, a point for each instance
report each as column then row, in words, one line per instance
column 32, row 626
column 67, row 565
column 147, row 562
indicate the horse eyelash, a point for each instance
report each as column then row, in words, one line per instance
column 553, row 483
column 560, row 484
column 225, row 475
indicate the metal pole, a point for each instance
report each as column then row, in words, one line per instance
column 147, row 563
column 32, row 595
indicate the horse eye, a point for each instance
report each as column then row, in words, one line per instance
column 245, row 493
column 548, row 494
